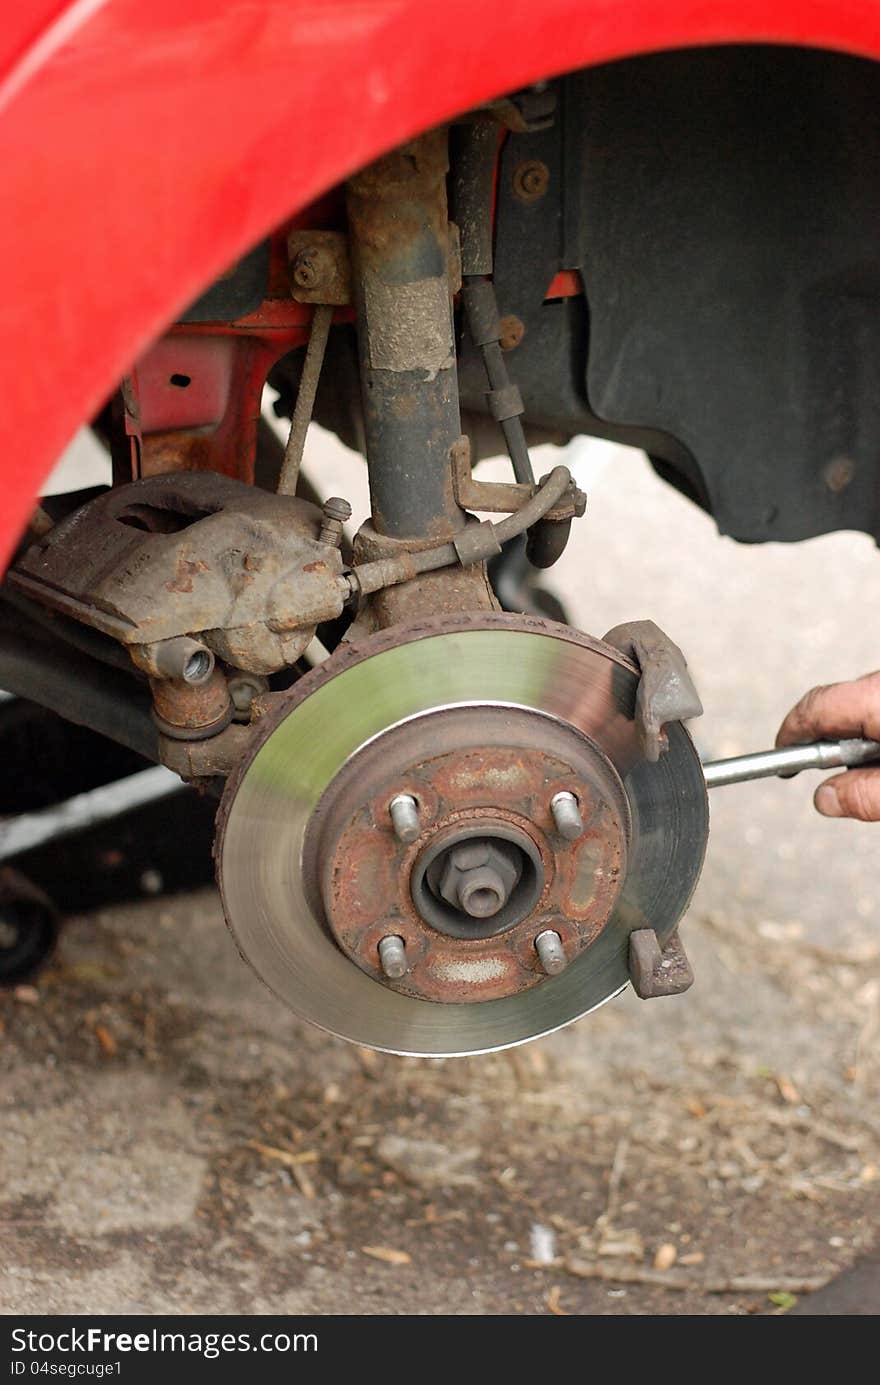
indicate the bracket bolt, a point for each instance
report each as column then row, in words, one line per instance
column 335, row 512
column 530, row 180
column 243, row 688
column 405, row 817
column 551, row 953
column 567, row 815
column 392, row 956
column 312, row 267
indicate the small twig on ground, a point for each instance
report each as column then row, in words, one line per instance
column 782, row 1120
column 738, row 1284
column 615, row 1178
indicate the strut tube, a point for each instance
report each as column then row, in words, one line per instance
column 399, row 237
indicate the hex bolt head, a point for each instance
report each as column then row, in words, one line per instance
column 567, row 815
column 243, row 688
column 479, row 876
column 551, row 953
column 392, row 957
column 531, row 179
column 404, row 812
column 310, row 267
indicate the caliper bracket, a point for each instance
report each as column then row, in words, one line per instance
column 666, row 691
column 656, row 970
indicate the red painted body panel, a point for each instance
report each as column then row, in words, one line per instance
column 145, row 146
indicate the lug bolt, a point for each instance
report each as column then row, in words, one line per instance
column 567, row 815
column 405, row 817
column 551, row 953
column 392, row 956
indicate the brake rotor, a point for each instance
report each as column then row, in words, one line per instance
column 479, row 721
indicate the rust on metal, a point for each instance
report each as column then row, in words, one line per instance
column 448, row 590
column 475, row 774
column 666, row 690
column 320, row 269
column 512, row 332
column 188, row 711
column 656, row 971
column 504, row 497
column 397, row 212
column 531, row 178
column 320, row 266
column 838, row 474
column 192, row 401
column 401, row 249
column 192, row 554
column 204, row 760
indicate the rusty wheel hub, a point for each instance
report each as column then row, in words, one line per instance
column 488, row 870
column 447, row 832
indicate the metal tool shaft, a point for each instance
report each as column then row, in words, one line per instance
column 790, row 761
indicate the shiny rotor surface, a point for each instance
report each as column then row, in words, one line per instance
column 361, row 692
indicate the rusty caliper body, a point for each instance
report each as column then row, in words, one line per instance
column 463, row 828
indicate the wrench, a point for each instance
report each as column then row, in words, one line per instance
column 790, row 761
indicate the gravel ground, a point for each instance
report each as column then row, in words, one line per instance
column 173, row 1141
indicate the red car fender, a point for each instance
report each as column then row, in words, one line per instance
column 146, row 146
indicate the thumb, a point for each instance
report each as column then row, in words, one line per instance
column 855, row 794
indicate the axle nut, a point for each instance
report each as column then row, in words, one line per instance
column 479, row 876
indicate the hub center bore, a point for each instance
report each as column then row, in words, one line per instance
column 477, row 881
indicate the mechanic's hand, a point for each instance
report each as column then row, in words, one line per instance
column 841, row 711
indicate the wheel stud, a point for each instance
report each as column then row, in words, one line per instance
column 567, row 815
column 392, row 955
column 405, row 817
column 551, row 953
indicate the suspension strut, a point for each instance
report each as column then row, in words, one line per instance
column 400, row 247
column 401, row 244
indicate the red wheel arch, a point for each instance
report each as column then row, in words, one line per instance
column 146, row 146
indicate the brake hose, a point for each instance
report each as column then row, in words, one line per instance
column 472, row 544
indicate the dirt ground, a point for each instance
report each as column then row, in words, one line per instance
column 174, row 1142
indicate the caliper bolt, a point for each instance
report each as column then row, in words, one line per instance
column 334, row 514
column 405, row 817
column 392, row 955
column 551, row 953
column 184, row 658
column 567, row 815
